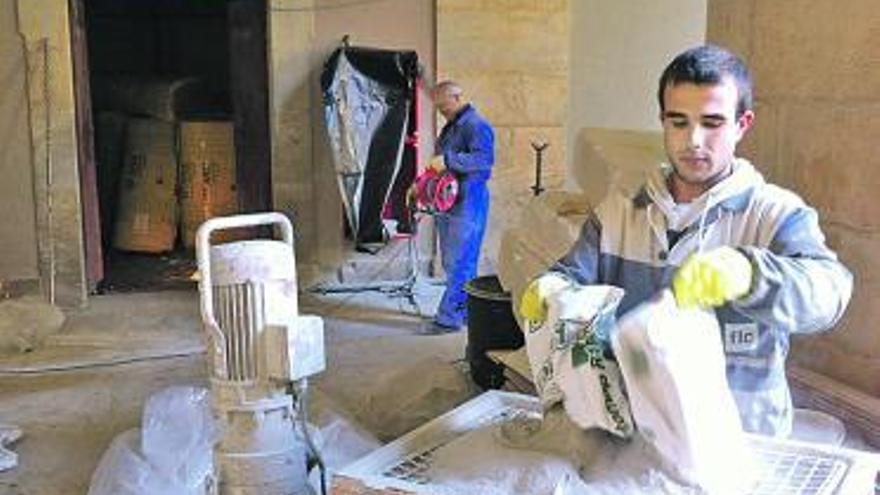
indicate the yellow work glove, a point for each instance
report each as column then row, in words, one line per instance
column 712, row 278
column 533, row 305
column 438, row 163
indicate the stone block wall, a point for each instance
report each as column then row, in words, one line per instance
column 512, row 58
column 816, row 66
column 18, row 237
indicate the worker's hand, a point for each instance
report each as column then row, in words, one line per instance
column 438, row 163
column 412, row 196
column 533, row 305
column 712, row 278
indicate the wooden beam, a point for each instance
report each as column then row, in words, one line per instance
column 343, row 485
column 855, row 408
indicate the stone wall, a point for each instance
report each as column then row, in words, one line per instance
column 18, row 238
column 618, row 50
column 512, row 58
column 816, row 65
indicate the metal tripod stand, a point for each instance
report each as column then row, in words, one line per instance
column 403, row 287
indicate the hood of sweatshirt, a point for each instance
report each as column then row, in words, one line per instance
column 679, row 216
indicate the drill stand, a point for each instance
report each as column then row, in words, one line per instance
column 404, row 287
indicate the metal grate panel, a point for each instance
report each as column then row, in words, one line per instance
column 786, row 468
column 792, row 472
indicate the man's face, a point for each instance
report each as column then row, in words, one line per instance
column 446, row 103
column 701, row 131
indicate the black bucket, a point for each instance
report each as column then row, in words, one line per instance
column 491, row 326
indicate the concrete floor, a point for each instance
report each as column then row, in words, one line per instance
column 379, row 373
column 70, row 417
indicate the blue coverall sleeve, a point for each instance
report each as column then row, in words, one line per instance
column 798, row 284
column 479, row 151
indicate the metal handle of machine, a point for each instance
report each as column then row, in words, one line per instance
column 203, row 255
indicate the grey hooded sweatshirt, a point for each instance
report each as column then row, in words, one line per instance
column 798, row 284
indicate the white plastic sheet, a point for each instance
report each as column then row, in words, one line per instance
column 170, row 455
column 8, row 434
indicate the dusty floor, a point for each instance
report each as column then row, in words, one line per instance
column 382, row 375
column 70, row 417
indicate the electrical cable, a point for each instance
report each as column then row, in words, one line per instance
column 61, row 368
column 302, row 398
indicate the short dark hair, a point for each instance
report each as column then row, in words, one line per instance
column 708, row 64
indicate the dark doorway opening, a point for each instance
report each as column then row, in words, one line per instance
column 178, row 91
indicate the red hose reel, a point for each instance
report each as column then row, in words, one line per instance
column 435, row 191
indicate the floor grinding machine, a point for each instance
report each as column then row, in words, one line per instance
column 261, row 351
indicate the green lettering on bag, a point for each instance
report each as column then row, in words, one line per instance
column 587, row 350
column 613, row 409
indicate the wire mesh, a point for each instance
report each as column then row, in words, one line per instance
column 787, row 471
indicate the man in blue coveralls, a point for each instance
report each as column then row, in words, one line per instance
column 466, row 146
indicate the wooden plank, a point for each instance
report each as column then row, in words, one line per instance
column 344, row 485
column 516, row 369
column 855, row 408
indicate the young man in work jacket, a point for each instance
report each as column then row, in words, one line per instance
column 709, row 226
column 466, row 146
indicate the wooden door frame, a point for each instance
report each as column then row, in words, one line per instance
column 85, row 147
column 249, row 89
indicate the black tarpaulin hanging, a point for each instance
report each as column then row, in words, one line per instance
column 368, row 95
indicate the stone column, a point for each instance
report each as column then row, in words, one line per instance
column 44, row 24
column 291, row 29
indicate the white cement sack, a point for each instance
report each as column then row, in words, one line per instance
column 673, row 363
column 569, row 355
